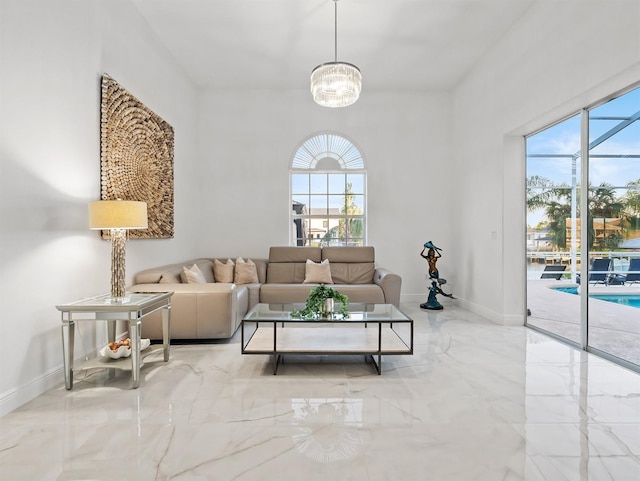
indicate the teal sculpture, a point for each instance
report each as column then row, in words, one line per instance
column 432, row 256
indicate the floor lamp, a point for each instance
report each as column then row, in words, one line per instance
column 117, row 216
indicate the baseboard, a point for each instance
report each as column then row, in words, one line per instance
column 501, row 319
column 493, row 316
column 13, row 399
column 417, row 299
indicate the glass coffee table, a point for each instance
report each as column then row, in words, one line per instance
column 372, row 330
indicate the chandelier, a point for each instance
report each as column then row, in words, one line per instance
column 336, row 84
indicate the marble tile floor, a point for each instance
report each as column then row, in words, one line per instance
column 476, row 401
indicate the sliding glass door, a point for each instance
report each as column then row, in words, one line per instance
column 595, row 306
column 614, row 227
column 553, row 189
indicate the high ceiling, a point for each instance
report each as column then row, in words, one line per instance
column 274, row 44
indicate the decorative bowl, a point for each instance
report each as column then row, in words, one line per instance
column 123, row 351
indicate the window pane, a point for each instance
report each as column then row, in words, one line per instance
column 300, row 183
column 300, row 199
column 356, row 205
column 553, row 178
column 614, row 236
column 336, row 183
column 318, row 183
column 318, row 205
column 336, row 204
column 357, row 183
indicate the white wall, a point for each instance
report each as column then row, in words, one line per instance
column 560, row 57
column 247, row 141
column 52, row 55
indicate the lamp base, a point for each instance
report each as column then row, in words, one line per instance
column 117, row 300
column 118, row 242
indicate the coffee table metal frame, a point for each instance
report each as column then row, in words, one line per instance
column 372, row 330
column 132, row 310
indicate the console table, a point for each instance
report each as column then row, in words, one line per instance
column 370, row 330
column 133, row 309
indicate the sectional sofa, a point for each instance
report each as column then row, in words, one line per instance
column 207, row 309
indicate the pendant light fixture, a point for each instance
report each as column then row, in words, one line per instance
column 336, row 84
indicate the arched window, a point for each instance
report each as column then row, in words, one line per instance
column 328, row 192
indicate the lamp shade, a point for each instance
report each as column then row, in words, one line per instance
column 117, row 214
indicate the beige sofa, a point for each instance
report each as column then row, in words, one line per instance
column 214, row 310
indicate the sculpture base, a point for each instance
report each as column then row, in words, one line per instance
column 434, row 307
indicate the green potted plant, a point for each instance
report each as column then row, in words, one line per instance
column 321, row 303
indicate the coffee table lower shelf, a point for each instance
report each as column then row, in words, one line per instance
column 368, row 341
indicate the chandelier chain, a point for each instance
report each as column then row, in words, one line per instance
column 335, row 5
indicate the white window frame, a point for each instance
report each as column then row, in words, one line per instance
column 322, row 154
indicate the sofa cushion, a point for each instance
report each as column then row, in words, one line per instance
column 352, row 273
column 287, row 265
column 364, row 254
column 370, row 293
column 317, row 273
column 223, row 272
column 206, row 267
column 351, row 265
column 153, row 275
column 192, row 275
column 294, row 254
column 170, row 277
column 287, row 293
column 245, row 272
column 171, row 272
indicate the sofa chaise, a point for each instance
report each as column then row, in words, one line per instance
column 213, row 310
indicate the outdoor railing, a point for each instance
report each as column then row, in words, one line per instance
column 619, row 261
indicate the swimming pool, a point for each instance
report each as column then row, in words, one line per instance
column 626, row 300
column 632, row 300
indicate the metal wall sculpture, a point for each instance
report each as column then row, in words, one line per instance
column 136, row 158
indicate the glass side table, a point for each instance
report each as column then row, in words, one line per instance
column 134, row 308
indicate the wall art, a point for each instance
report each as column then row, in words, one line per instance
column 136, row 158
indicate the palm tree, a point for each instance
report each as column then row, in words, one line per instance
column 350, row 228
column 603, row 203
column 558, row 213
column 631, row 210
column 555, row 199
column 540, row 191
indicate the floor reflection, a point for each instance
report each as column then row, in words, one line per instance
column 328, row 428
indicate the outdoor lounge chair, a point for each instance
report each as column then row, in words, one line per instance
column 553, row 272
column 598, row 271
column 633, row 277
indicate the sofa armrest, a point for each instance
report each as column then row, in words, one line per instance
column 199, row 311
column 390, row 284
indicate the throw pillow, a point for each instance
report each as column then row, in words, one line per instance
column 192, row 275
column 223, row 272
column 170, row 278
column 317, row 273
column 246, row 272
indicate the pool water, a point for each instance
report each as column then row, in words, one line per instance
column 568, row 290
column 627, row 300
column 632, row 300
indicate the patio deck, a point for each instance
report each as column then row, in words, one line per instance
column 613, row 328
